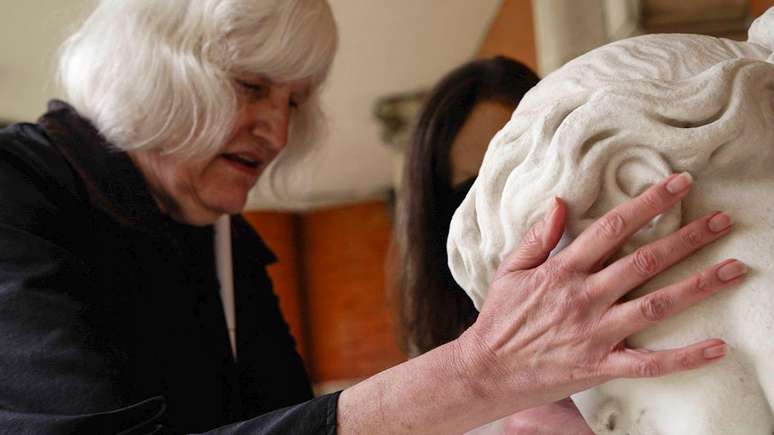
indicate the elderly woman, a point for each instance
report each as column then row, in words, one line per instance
column 117, row 316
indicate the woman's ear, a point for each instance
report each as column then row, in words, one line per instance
column 626, row 174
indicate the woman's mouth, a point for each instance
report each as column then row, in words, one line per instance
column 242, row 162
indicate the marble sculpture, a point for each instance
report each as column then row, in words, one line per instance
column 600, row 130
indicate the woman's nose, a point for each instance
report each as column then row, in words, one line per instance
column 273, row 122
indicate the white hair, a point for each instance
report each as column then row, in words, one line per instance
column 159, row 74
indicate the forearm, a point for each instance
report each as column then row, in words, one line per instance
column 438, row 392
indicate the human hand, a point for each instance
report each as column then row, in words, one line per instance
column 554, row 326
column 558, row 418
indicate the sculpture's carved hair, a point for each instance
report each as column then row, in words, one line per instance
column 624, row 115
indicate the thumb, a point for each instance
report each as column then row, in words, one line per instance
column 540, row 240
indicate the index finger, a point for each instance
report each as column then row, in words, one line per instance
column 606, row 235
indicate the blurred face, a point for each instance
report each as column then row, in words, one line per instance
column 467, row 150
column 198, row 191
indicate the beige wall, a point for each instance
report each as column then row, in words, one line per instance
column 30, row 32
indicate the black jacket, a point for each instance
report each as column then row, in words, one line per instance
column 110, row 318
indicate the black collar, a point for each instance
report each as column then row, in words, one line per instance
column 113, row 182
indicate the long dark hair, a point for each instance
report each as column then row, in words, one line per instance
column 433, row 309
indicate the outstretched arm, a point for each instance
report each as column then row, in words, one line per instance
column 552, row 326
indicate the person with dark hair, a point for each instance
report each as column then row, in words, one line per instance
column 462, row 114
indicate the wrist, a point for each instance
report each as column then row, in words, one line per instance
column 477, row 366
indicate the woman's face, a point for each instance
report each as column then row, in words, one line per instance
column 467, row 150
column 196, row 191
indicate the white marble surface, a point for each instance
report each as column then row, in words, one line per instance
column 600, row 130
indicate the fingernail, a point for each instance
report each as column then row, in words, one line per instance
column 550, row 214
column 719, row 222
column 731, row 270
column 714, row 352
column 679, row 183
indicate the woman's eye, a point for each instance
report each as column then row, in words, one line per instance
column 256, row 90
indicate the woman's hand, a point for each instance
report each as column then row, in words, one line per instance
column 554, row 326
column 551, row 327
